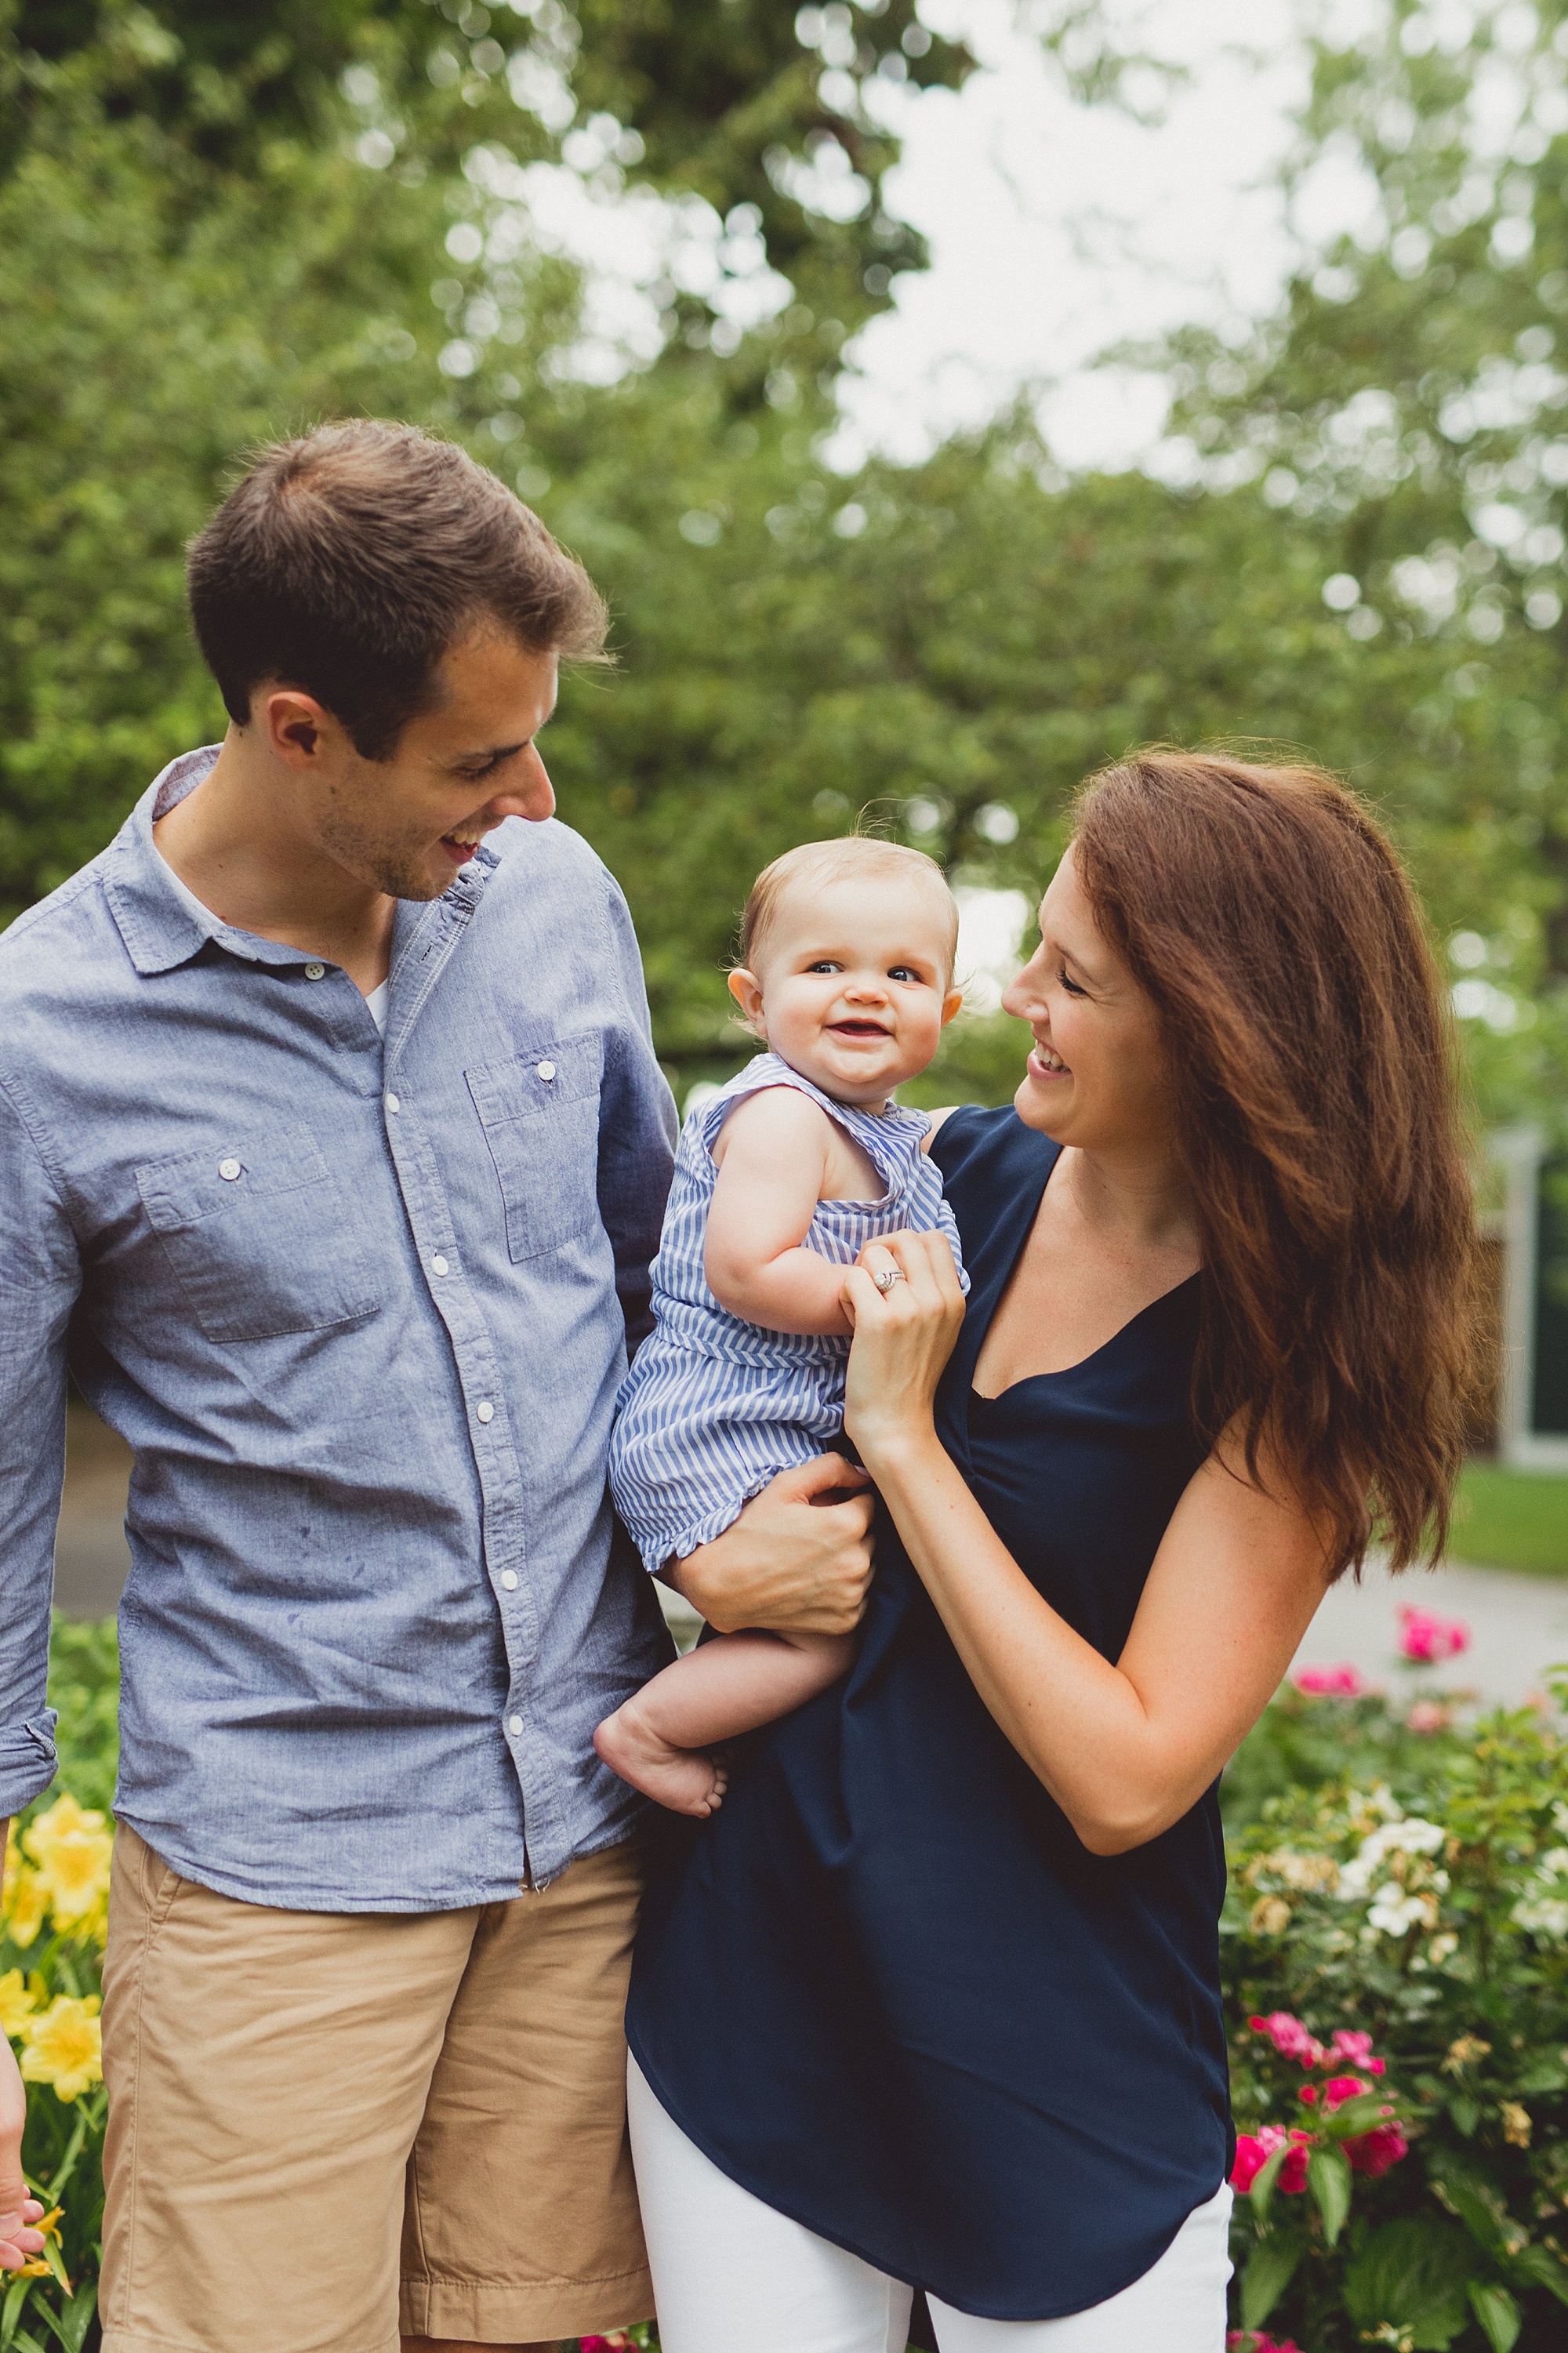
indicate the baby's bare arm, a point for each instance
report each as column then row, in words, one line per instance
column 772, row 1164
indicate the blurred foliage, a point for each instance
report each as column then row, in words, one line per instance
column 84, row 1688
column 217, row 226
column 1414, row 1893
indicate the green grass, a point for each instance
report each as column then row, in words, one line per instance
column 1511, row 1519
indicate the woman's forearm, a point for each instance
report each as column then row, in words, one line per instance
column 1076, row 1720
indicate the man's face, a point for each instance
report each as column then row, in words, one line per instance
column 405, row 825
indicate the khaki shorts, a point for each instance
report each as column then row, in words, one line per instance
column 292, row 2094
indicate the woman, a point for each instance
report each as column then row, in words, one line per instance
column 935, row 1999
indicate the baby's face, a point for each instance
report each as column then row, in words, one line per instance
column 853, row 985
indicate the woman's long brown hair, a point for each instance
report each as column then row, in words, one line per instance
column 1314, row 1059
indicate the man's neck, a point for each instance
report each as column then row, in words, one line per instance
column 230, row 844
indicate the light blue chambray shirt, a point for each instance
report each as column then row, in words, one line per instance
column 361, row 1310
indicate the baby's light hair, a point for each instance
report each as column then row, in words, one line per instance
column 842, row 860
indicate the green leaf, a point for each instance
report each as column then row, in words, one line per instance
column 78, row 2316
column 1466, row 2113
column 16, row 2296
column 1268, row 2273
column 1328, row 2182
column 1541, row 2268
column 1497, row 2313
column 1479, row 2207
column 72, row 2324
column 1357, row 2115
column 1262, row 2189
column 1412, row 2275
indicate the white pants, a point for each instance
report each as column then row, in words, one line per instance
column 731, row 2276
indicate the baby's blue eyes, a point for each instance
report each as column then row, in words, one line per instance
column 896, row 972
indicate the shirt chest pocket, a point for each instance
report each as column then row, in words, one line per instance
column 260, row 1235
column 539, row 1112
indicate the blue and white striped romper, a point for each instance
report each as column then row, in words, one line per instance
column 714, row 1406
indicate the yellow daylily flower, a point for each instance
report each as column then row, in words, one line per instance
column 64, row 2047
column 72, row 1847
column 47, row 2264
column 26, row 1905
column 16, row 2004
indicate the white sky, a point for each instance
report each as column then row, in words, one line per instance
column 1056, row 230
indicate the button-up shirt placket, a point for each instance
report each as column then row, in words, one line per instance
column 489, row 1429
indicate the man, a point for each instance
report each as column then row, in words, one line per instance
column 333, row 1153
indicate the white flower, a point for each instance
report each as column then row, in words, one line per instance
column 1546, row 1915
column 1543, row 1907
column 1413, row 1836
column 1392, row 1912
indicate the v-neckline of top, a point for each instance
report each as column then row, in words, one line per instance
column 977, row 1397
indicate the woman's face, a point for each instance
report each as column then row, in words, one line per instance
column 1098, row 1077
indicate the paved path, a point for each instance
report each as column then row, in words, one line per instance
column 1519, row 1626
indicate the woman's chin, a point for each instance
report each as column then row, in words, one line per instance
column 1039, row 1104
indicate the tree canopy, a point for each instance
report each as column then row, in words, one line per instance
column 216, row 227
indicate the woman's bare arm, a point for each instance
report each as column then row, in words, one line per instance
column 1125, row 1749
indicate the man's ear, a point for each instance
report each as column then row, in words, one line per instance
column 950, row 1004
column 747, row 991
column 295, row 727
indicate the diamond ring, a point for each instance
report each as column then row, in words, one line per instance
column 888, row 1276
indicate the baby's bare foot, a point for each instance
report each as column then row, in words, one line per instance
column 687, row 1780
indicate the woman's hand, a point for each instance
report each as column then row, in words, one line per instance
column 19, row 2210
column 904, row 1334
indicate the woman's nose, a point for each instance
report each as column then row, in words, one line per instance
column 1023, row 998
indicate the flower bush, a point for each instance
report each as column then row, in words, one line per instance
column 1396, row 1976
column 54, row 1912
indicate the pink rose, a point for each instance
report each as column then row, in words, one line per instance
column 1425, row 1638
column 1329, row 1682
column 1341, row 2088
column 1428, row 1716
column 1374, row 2152
column 1253, row 2152
column 1248, row 2340
column 1290, row 2037
column 1251, row 2157
column 1355, row 2049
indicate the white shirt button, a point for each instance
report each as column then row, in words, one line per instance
column 393, row 1104
column 515, row 1724
column 508, row 1579
column 228, row 1168
column 486, row 1410
column 546, row 1071
column 315, row 971
column 438, row 1266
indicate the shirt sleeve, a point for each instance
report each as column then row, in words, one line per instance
column 638, row 1129
column 40, row 1277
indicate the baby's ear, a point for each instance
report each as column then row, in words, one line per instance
column 746, row 990
column 950, row 1004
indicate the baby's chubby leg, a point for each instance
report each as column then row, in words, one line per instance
column 658, row 1740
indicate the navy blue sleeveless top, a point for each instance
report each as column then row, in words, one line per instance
column 886, row 1989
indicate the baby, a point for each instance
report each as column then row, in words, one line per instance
column 847, row 951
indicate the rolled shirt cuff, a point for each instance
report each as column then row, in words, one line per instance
column 28, row 1761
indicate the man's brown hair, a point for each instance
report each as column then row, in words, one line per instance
column 1314, row 1058
column 349, row 562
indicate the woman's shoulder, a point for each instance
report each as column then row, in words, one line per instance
column 975, row 1141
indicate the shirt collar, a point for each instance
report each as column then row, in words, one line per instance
column 163, row 926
